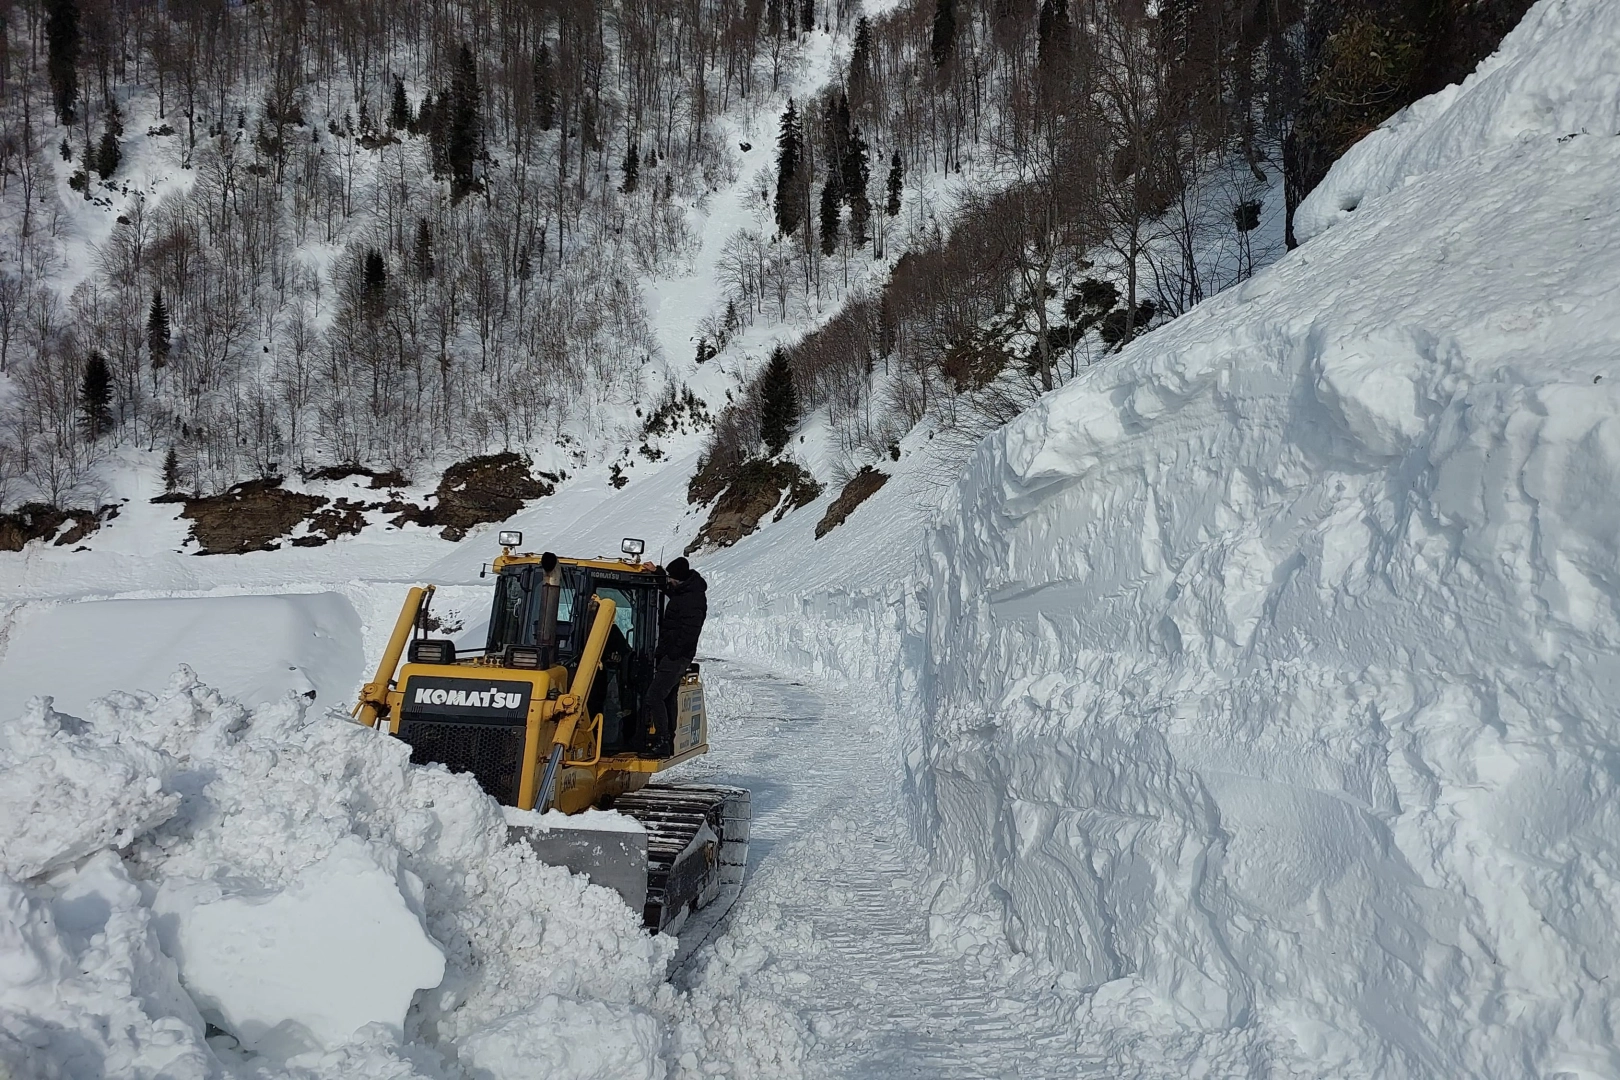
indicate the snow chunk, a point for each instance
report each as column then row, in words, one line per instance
column 337, row 949
column 68, row 788
column 85, row 989
column 558, row 1037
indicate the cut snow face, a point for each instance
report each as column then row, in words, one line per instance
column 1553, row 77
column 255, row 648
column 1269, row 670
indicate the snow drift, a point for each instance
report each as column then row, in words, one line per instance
column 177, row 860
column 1267, row 671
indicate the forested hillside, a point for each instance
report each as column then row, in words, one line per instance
column 278, row 235
column 1103, row 167
column 281, row 233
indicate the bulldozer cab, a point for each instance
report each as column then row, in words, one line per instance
column 619, row 690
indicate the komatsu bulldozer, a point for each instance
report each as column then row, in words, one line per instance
column 551, row 714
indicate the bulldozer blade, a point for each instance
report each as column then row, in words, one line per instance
column 691, row 850
column 613, row 859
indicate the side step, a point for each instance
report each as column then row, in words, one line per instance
column 697, row 846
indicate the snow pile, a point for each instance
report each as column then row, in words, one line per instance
column 1268, row 671
column 68, row 789
column 289, row 877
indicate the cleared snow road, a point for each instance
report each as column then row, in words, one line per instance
column 832, row 925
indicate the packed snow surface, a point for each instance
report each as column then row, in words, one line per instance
column 254, row 647
column 1268, row 671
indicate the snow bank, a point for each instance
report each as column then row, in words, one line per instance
column 1268, row 671
column 254, row 648
column 309, row 881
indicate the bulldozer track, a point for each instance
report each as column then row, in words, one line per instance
column 674, row 816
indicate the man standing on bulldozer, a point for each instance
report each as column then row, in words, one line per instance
column 686, row 605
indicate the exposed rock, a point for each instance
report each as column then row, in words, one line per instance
column 40, row 521
column 485, row 489
column 393, row 478
column 758, row 487
column 862, row 486
column 252, row 516
column 343, row 518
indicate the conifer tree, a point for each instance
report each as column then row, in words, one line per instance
column 779, row 402
column 835, row 137
column 374, row 280
column 857, row 175
column 399, row 112
column 433, row 117
column 171, row 471
column 897, row 179
column 95, row 397
column 109, row 155
column 545, row 88
column 62, row 55
column 464, row 137
column 860, row 61
column 157, row 330
column 789, row 189
column 1052, row 33
column 829, row 215
column 807, row 15
column 943, row 42
column 854, row 164
column 632, row 169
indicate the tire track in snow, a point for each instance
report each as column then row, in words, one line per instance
column 833, row 920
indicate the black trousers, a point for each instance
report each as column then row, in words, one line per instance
column 661, row 701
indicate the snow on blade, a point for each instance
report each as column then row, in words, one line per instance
column 1269, row 670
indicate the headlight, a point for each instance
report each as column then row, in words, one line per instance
column 632, row 546
column 510, row 539
column 521, row 656
column 432, row 651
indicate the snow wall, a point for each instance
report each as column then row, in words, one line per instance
column 1268, row 670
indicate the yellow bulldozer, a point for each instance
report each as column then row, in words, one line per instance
column 550, row 714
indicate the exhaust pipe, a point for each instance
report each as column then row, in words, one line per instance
column 550, row 600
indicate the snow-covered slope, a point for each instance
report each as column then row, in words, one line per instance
column 1269, row 670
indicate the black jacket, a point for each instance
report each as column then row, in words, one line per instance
column 684, row 611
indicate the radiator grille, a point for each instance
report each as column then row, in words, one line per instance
column 493, row 753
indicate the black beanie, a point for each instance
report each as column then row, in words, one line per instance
column 678, row 568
